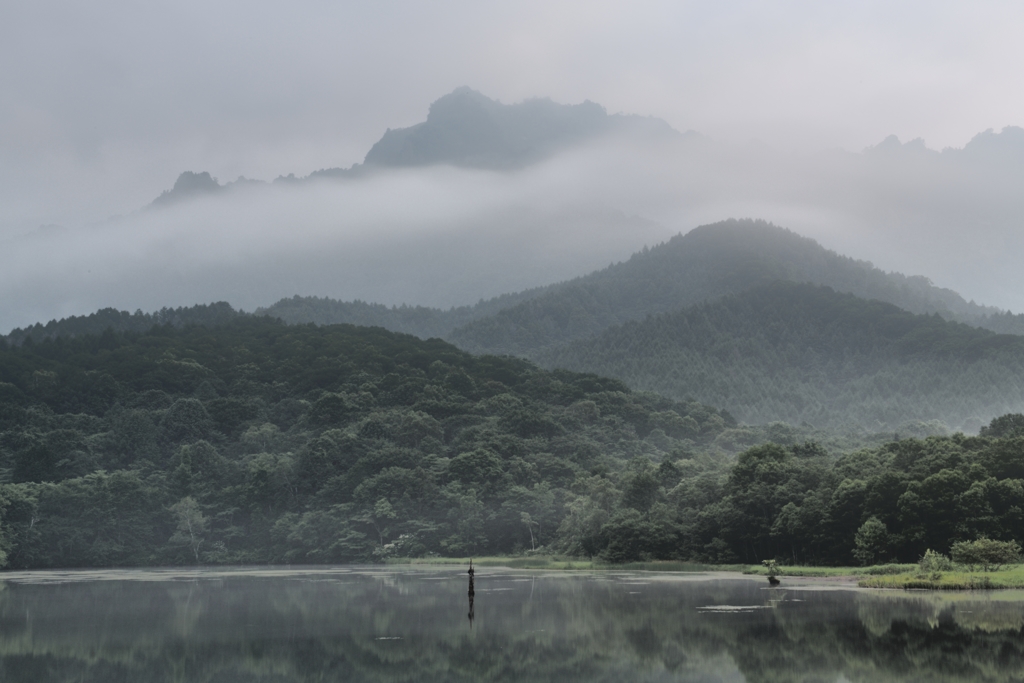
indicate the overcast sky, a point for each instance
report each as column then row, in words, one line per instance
column 104, row 103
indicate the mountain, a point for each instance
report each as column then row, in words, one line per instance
column 806, row 353
column 706, row 263
column 1004, row 150
column 466, row 128
column 580, row 324
column 189, row 185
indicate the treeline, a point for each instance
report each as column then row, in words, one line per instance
column 209, row 315
column 422, row 321
column 802, row 353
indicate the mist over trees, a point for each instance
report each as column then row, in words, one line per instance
column 725, row 331
column 805, row 354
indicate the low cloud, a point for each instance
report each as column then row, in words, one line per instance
column 444, row 236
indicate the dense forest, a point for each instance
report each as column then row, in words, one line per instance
column 836, row 363
column 802, row 353
column 259, row 442
column 703, row 265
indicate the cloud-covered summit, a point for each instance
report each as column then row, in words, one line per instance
column 470, row 130
column 466, row 128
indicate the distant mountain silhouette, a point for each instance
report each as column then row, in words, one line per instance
column 989, row 147
column 466, row 128
column 189, row 185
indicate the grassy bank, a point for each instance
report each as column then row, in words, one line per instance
column 1011, row 577
column 831, row 572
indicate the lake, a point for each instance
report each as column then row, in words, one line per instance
column 412, row 624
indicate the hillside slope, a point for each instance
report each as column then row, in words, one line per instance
column 302, row 444
column 805, row 353
column 706, row 263
column 709, row 262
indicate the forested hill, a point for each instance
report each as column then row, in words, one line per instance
column 805, row 353
column 302, row 443
column 702, row 265
column 708, row 262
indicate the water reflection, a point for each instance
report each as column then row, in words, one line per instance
column 353, row 624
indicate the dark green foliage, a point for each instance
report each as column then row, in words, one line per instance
column 803, row 361
column 985, row 553
column 802, row 353
column 1005, row 426
column 254, row 441
column 122, row 321
column 261, row 442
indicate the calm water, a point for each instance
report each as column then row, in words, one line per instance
column 366, row 624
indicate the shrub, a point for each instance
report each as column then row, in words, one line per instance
column 985, row 553
column 932, row 561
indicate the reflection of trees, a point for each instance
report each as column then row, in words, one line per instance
column 315, row 628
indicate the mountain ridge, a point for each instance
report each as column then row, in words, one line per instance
column 705, row 263
column 468, row 129
column 503, row 324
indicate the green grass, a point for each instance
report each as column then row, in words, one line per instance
column 1010, row 577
